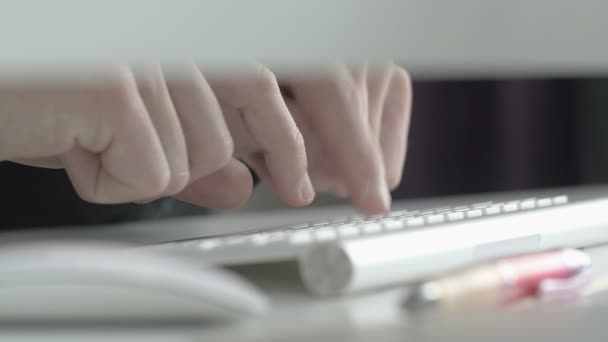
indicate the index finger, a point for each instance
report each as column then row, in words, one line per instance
column 256, row 95
column 338, row 108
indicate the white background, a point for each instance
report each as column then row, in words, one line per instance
column 431, row 37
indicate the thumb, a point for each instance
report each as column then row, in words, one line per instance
column 227, row 188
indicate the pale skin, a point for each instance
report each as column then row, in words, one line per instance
column 126, row 135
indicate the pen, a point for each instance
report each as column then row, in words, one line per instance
column 498, row 283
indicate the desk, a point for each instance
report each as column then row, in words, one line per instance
column 374, row 317
column 370, row 317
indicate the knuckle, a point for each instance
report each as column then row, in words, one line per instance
column 402, row 78
column 191, row 81
column 214, row 157
column 222, row 154
column 266, row 80
column 179, row 181
column 157, row 183
column 349, row 93
column 195, row 85
column 152, row 84
column 123, row 93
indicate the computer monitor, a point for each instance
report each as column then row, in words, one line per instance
column 464, row 38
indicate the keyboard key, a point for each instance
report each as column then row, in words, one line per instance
column 266, row 238
column 276, row 236
column 434, row 219
column 301, row 238
column 543, row 202
column 560, row 199
column 192, row 243
column 325, row 234
column 493, row 210
column 236, row 240
column 384, row 219
column 415, row 222
column 398, row 213
column 375, row 217
column 474, row 213
column 298, row 226
column 355, row 220
column 481, row 205
column 510, row 207
column 459, row 215
column 347, row 231
column 260, row 239
column 371, row 228
column 527, row 204
column 393, row 224
column 339, row 220
column 406, row 216
column 209, row 244
column 166, row 245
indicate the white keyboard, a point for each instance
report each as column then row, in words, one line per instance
column 281, row 243
column 355, row 253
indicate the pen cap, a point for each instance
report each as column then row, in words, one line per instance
column 526, row 272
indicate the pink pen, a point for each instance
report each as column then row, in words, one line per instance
column 498, row 283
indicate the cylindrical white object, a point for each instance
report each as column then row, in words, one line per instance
column 407, row 256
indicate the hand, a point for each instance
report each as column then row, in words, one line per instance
column 124, row 136
column 355, row 122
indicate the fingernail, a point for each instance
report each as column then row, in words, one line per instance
column 378, row 197
column 306, row 190
column 384, row 197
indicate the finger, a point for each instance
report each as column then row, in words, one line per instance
column 118, row 156
column 378, row 80
column 227, row 188
column 257, row 163
column 208, row 141
column 395, row 126
column 267, row 118
column 244, row 142
column 155, row 95
column 339, row 114
column 324, row 176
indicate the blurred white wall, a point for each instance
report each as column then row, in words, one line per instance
column 433, row 37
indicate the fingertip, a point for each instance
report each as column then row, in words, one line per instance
column 296, row 194
column 376, row 205
column 373, row 198
column 394, row 181
column 307, row 191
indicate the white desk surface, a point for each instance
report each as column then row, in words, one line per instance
column 375, row 316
